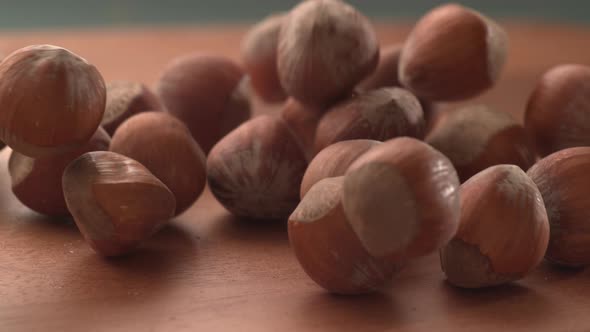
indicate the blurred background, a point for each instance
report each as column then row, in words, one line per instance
column 27, row 14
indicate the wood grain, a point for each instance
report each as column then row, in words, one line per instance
column 208, row 271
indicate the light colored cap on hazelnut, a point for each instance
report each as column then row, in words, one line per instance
column 402, row 199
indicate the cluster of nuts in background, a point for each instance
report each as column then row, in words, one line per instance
column 353, row 159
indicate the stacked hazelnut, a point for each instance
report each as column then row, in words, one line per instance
column 123, row 189
column 368, row 208
column 367, row 180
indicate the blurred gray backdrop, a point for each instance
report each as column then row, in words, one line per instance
column 26, row 14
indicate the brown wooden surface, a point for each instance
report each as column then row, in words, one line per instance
column 209, row 271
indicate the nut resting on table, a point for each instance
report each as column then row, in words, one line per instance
column 366, row 169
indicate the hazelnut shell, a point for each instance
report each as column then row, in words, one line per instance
column 402, row 199
column 68, row 105
column 125, row 99
column 259, row 55
column 115, row 201
column 325, row 48
column 37, row 182
column 206, row 92
column 563, row 181
column 378, row 115
column 503, row 232
column 255, row 171
column 558, row 110
column 477, row 137
column 327, row 247
column 164, row 145
column 453, row 53
column 333, row 161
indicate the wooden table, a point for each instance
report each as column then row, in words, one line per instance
column 208, row 271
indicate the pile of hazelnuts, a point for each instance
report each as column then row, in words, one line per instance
column 353, row 159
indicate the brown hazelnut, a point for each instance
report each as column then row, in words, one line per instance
column 402, row 199
column 259, row 54
column 379, row 115
column 325, row 48
column 164, row 145
column 477, row 137
column 37, row 182
column 452, row 53
column 255, row 171
column 125, row 99
column 207, row 93
column 334, row 161
column 327, row 247
column 503, row 232
column 302, row 121
column 68, row 104
column 386, row 75
column 564, row 182
column 558, row 110
column 115, row 201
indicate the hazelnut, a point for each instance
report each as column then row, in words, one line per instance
column 164, row 145
column 452, row 53
column 386, row 75
column 259, row 54
column 563, row 181
column 334, row 161
column 302, row 121
column 379, row 115
column 325, row 48
column 125, row 99
column 68, row 104
column 115, row 201
column 328, row 248
column 37, row 182
column 402, row 199
column 207, row 93
column 558, row 109
column 503, row 230
column 477, row 137
column 255, row 171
